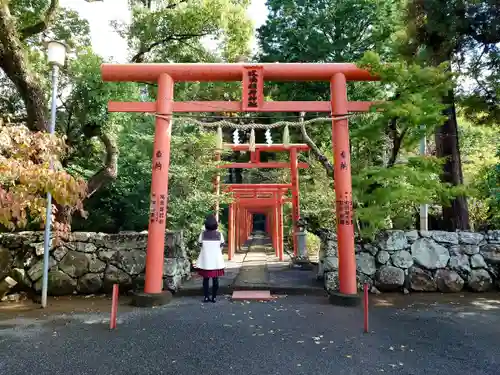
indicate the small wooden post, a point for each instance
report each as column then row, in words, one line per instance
column 114, row 307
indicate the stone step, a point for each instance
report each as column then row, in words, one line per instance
column 252, row 295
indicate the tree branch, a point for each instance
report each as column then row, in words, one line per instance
column 315, row 149
column 110, row 169
column 139, row 56
column 107, row 173
column 397, row 141
column 393, row 134
column 44, row 22
column 174, row 5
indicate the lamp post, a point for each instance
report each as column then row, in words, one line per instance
column 424, row 208
column 56, row 55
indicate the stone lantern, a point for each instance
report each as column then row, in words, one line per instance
column 302, row 258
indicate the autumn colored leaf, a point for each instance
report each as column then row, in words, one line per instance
column 25, row 177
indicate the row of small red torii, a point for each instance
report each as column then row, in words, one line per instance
column 267, row 199
column 252, row 77
column 252, row 201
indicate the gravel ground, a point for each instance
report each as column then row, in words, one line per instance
column 291, row 335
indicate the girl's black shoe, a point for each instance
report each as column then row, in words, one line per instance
column 206, row 300
column 213, row 300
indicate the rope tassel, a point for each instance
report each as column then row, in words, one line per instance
column 251, row 143
column 219, row 138
column 286, row 136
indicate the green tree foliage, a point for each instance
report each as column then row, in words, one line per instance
column 124, row 204
column 465, row 33
column 324, row 31
column 481, row 161
column 384, row 147
column 112, row 151
column 390, row 183
column 172, row 31
column 100, row 144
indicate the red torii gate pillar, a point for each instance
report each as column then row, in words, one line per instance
column 249, row 224
column 343, row 189
column 245, row 218
column 230, row 232
column 279, row 232
column 294, row 173
column 159, row 186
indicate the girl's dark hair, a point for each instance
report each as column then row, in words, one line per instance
column 211, row 223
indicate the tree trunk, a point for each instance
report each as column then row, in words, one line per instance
column 317, row 152
column 107, row 173
column 456, row 216
column 14, row 63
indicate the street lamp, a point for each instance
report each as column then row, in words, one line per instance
column 56, row 55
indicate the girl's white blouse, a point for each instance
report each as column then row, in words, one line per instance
column 210, row 257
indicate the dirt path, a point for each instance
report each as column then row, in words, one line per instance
column 61, row 305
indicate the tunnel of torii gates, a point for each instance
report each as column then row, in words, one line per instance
column 267, row 199
column 252, row 77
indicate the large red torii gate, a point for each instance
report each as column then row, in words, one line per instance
column 252, row 77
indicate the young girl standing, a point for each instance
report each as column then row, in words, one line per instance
column 210, row 263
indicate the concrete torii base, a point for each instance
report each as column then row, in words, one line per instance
column 141, row 299
column 341, row 299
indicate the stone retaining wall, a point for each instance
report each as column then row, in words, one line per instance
column 419, row 261
column 87, row 263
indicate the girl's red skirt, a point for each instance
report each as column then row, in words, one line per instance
column 210, row 273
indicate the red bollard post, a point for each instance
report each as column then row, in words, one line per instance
column 114, row 307
column 365, row 290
